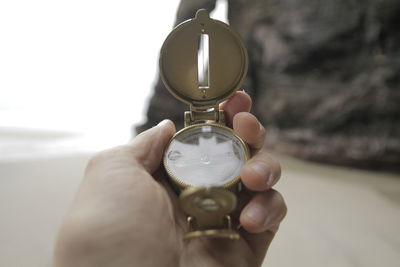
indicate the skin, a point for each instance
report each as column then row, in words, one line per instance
column 126, row 214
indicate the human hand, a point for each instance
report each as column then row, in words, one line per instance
column 126, row 214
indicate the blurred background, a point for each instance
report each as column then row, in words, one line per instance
column 77, row 77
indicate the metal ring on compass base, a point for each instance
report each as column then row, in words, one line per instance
column 214, row 233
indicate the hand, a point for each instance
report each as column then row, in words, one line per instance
column 125, row 213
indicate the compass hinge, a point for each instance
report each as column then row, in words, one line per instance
column 192, row 117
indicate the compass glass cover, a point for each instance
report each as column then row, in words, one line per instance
column 205, row 156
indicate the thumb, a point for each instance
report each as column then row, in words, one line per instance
column 148, row 147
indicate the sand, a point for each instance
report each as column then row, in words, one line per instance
column 337, row 217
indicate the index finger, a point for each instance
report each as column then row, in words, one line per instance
column 238, row 102
column 250, row 130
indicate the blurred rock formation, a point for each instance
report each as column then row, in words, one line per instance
column 324, row 77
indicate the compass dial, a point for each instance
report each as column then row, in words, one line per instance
column 205, row 155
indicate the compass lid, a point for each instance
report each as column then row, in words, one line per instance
column 203, row 61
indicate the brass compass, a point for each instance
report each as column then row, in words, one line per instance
column 203, row 62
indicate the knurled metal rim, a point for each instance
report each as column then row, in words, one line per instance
column 182, row 185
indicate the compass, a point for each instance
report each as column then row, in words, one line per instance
column 202, row 63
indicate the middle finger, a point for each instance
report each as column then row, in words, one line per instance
column 261, row 172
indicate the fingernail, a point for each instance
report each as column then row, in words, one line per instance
column 263, row 170
column 271, row 179
column 255, row 213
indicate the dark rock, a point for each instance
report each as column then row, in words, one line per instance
column 324, row 77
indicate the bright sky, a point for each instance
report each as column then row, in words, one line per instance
column 81, row 65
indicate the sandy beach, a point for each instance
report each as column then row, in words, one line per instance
column 337, row 216
column 93, row 74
